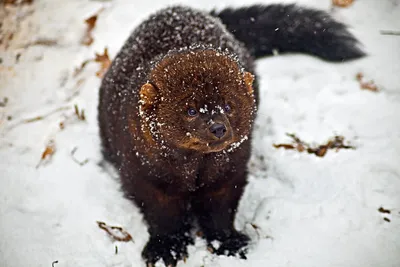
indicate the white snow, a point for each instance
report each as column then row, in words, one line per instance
column 305, row 211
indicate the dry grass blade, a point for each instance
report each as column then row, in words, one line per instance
column 79, row 114
column 41, row 117
column 81, row 67
column 44, row 42
column 81, row 163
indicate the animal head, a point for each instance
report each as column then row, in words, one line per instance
column 199, row 100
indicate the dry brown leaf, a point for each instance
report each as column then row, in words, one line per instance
column 47, row 153
column 370, row 85
column 116, row 232
column 342, row 3
column 104, row 61
column 90, row 24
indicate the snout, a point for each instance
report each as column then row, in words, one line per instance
column 218, row 129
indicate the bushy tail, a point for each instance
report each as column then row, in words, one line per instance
column 290, row 28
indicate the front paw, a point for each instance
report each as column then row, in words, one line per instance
column 230, row 243
column 169, row 248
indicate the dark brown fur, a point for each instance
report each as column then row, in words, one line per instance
column 179, row 167
column 174, row 176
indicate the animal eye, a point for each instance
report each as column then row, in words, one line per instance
column 192, row 112
column 227, row 108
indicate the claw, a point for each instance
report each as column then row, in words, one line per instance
column 170, row 248
column 232, row 244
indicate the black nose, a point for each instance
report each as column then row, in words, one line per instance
column 218, row 129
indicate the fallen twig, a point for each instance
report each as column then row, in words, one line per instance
column 389, row 32
column 383, row 210
column 320, row 151
column 116, row 232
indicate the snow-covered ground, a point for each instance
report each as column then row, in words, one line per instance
column 299, row 209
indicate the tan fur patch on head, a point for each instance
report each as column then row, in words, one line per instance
column 248, row 79
column 191, row 143
column 148, row 96
column 194, row 143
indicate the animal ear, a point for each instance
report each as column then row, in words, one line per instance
column 148, row 96
column 248, row 80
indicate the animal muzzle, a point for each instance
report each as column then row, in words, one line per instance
column 218, row 130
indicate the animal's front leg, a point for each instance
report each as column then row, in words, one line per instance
column 215, row 209
column 168, row 220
